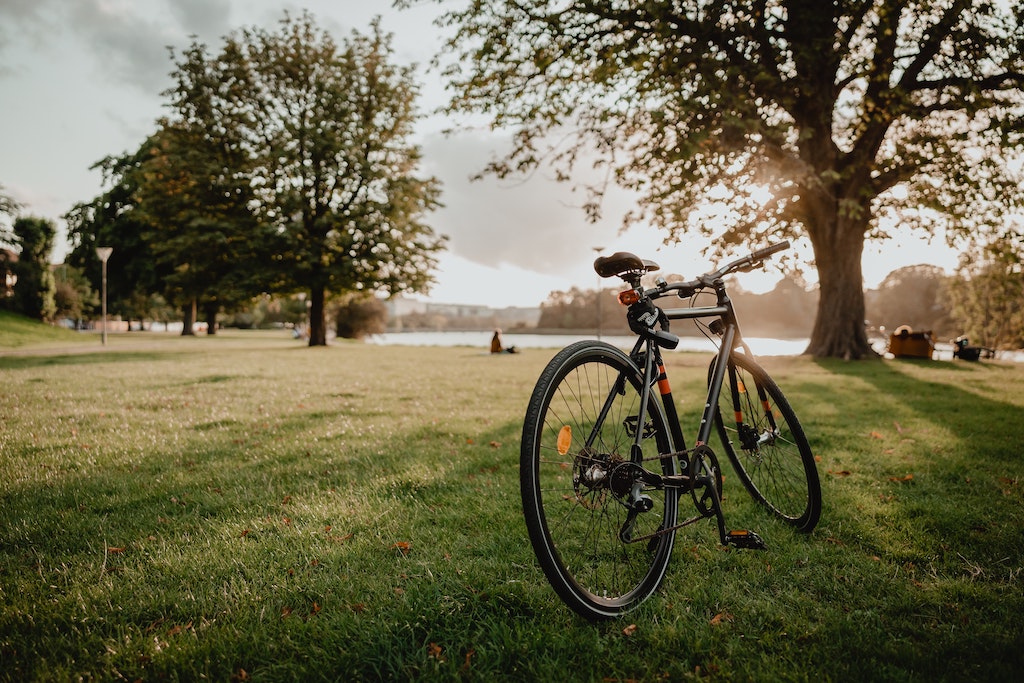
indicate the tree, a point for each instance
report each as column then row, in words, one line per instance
column 987, row 295
column 34, row 290
column 914, row 296
column 328, row 129
column 827, row 118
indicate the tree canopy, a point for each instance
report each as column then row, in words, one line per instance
column 834, row 119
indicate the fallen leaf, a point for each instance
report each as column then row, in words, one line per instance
column 721, row 617
column 315, row 609
column 435, row 651
column 900, row 480
column 286, row 612
column 876, row 435
column 840, row 473
column 495, row 444
column 629, row 630
column 402, row 547
column 469, row 656
column 115, row 551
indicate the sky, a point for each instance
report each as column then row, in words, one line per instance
column 80, row 80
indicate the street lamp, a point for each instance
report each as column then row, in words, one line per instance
column 598, row 250
column 104, row 253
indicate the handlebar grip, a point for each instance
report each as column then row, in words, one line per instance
column 762, row 254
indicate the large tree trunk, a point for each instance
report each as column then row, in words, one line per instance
column 839, row 329
column 188, row 319
column 317, row 318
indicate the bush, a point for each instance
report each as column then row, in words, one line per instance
column 359, row 317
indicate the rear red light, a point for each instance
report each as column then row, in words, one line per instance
column 629, row 297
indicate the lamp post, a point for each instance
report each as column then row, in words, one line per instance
column 597, row 251
column 104, row 253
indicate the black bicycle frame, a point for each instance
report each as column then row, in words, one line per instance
column 651, row 356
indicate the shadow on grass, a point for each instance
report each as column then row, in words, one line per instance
column 71, row 359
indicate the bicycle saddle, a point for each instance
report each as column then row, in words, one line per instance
column 622, row 262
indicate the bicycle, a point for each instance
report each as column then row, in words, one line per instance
column 604, row 465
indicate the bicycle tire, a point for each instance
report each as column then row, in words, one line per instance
column 573, row 522
column 778, row 471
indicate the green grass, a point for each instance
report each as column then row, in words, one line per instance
column 246, row 508
column 17, row 331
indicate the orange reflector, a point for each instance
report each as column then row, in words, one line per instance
column 564, row 439
column 629, row 297
column 740, row 386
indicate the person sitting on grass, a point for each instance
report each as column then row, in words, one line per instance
column 496, row 346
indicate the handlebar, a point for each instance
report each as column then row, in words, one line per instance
column 707, row 280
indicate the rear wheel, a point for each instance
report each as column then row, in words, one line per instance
column 594, row 527
column 766, row 444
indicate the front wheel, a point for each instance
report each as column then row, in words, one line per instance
column 596, row 530
column 766, row 444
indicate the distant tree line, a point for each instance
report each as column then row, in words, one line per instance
column 984, row 300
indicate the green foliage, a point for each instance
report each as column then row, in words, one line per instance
column 745, row 120
column 214, row 509
column 576, row 309
column 74, row 297
column 35, row 287
column 916, row 296
column 133, row 273
column 356, row 317
column 988, row 294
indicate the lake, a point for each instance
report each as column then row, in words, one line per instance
column 761, row 346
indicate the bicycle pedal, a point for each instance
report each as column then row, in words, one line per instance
column 745, row 539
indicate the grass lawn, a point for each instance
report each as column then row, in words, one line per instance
column 245, row 508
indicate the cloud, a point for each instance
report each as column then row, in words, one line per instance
column 534, row 223
column 127, row 40
column 208, row 19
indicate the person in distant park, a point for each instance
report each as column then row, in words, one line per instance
column 496, row 346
